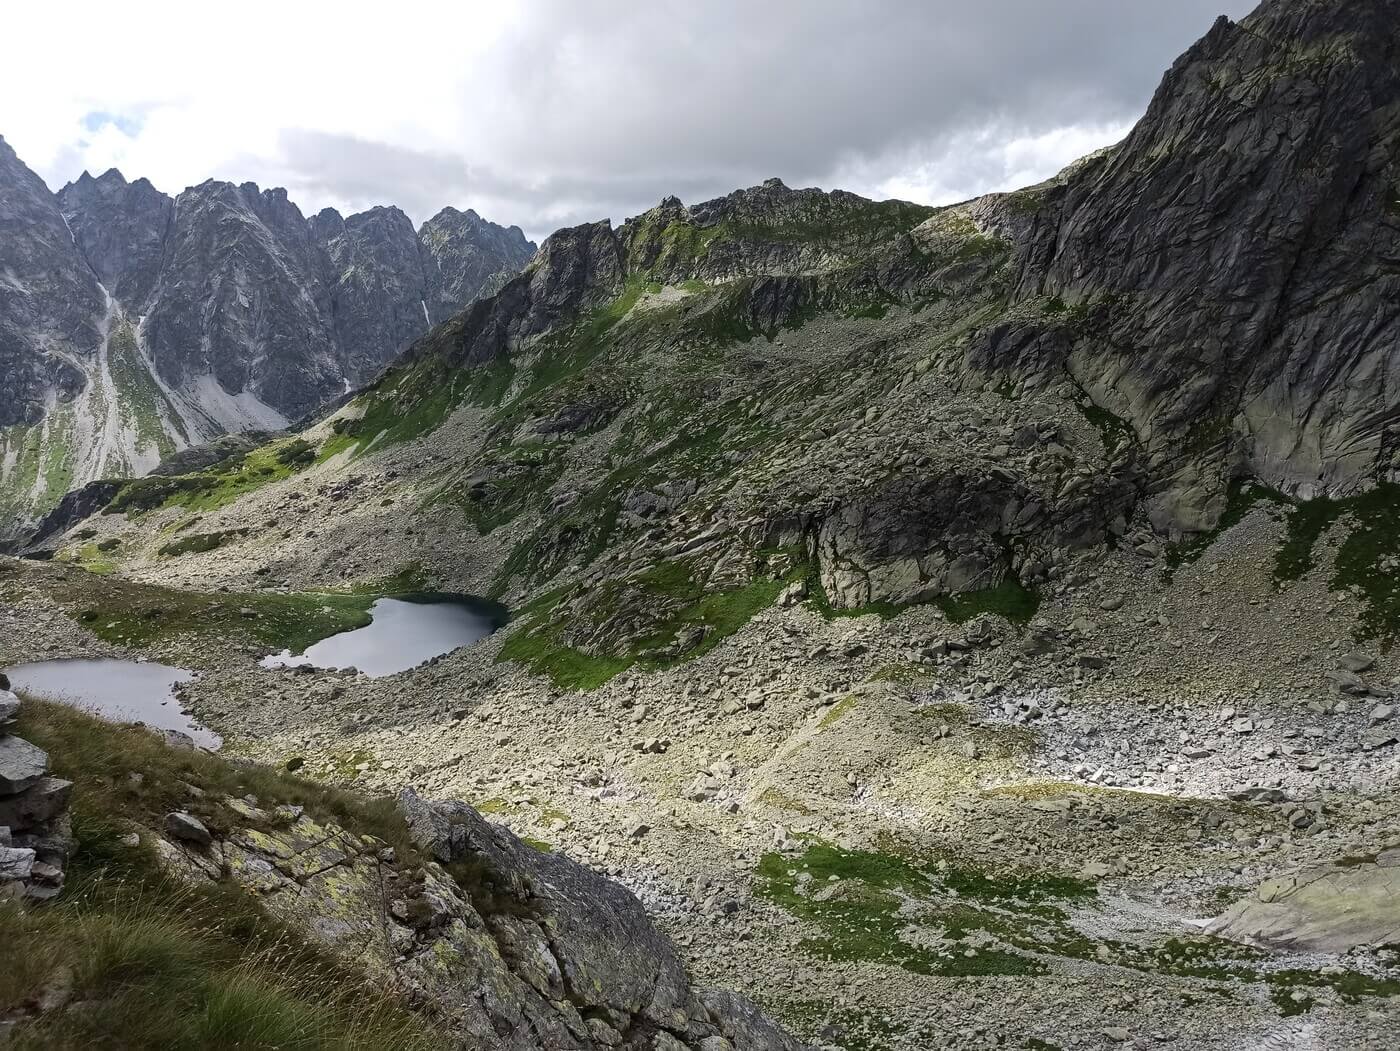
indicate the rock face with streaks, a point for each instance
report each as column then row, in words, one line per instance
column 504, row 947
column 134, row 324
column 50, row 304
column 1326, row 908
column 1234, row 264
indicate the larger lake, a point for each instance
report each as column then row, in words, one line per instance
column 123, row 691
column 402, row 634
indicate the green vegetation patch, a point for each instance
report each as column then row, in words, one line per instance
column 1114, row 431
column 1009, row 599
column 133, row 614
column 895, row 908
column 1365, row 560
column 216, row 486
column 199, row 543
column 861, row 902
column 705, row 619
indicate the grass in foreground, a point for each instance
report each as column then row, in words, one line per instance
column 159, row 964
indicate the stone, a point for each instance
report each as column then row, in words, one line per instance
column 187, row 827
column 21, row 764
column 40, row 802
column 1357, row 662
column 1326, row 908
column 9, row 707
column 16, row 863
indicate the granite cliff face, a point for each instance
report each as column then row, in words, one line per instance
column 1235, row 262
column 133, row 324
column 50, row 305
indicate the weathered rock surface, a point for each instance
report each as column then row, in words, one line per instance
column 50, row 304
column 134, row 324
column 36, row 836
column 1326, row 908
column 505, row 946
column 21, row 764
column 1234, row 259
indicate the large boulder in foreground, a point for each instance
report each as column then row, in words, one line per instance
column 585, row 943
column 1327, row 908
column 501, row 946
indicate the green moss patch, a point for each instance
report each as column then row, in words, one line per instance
column 217, row 486
column 200, row 543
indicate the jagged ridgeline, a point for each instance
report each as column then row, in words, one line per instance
column 656, row 430
column 134, row 325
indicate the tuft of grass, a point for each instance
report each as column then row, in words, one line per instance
column 1010, row 599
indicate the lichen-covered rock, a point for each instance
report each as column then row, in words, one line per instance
column 505, row 946
column 1325, row 908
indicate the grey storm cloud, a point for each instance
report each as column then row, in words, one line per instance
column 597, row 110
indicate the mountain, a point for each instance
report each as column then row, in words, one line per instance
column 1235, row 260
column 143, row 324
column 938, row 615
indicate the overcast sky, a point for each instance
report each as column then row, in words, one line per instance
column 545, row 113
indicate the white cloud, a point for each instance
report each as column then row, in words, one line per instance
column 550, row 111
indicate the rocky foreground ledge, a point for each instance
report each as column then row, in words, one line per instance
column 492, row 942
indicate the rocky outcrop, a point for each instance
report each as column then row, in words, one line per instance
column 763, row 230
column 466, row 258
column 244, row 303
column 505, row 947
column 282, row 312
column 783, row 239
column 36, row 835
column 1326, row 908
column 1233, row 263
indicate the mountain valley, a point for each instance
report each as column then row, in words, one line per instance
column 965, row 627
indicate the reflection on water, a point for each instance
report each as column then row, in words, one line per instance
column 123, row 691
column 404, row 633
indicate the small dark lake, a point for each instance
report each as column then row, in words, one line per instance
column 123, row 691
column 404, row 633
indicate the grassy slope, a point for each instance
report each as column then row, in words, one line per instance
column 133, row 614
column 158, row 964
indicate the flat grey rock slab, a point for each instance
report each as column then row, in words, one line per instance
column 1326, row 908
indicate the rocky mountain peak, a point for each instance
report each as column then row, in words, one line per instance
column 1262, row 177
column 51, row 308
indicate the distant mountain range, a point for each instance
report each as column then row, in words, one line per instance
column 134, row 324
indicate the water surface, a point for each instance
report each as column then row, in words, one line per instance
column 404, row 633
column 123, row 691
